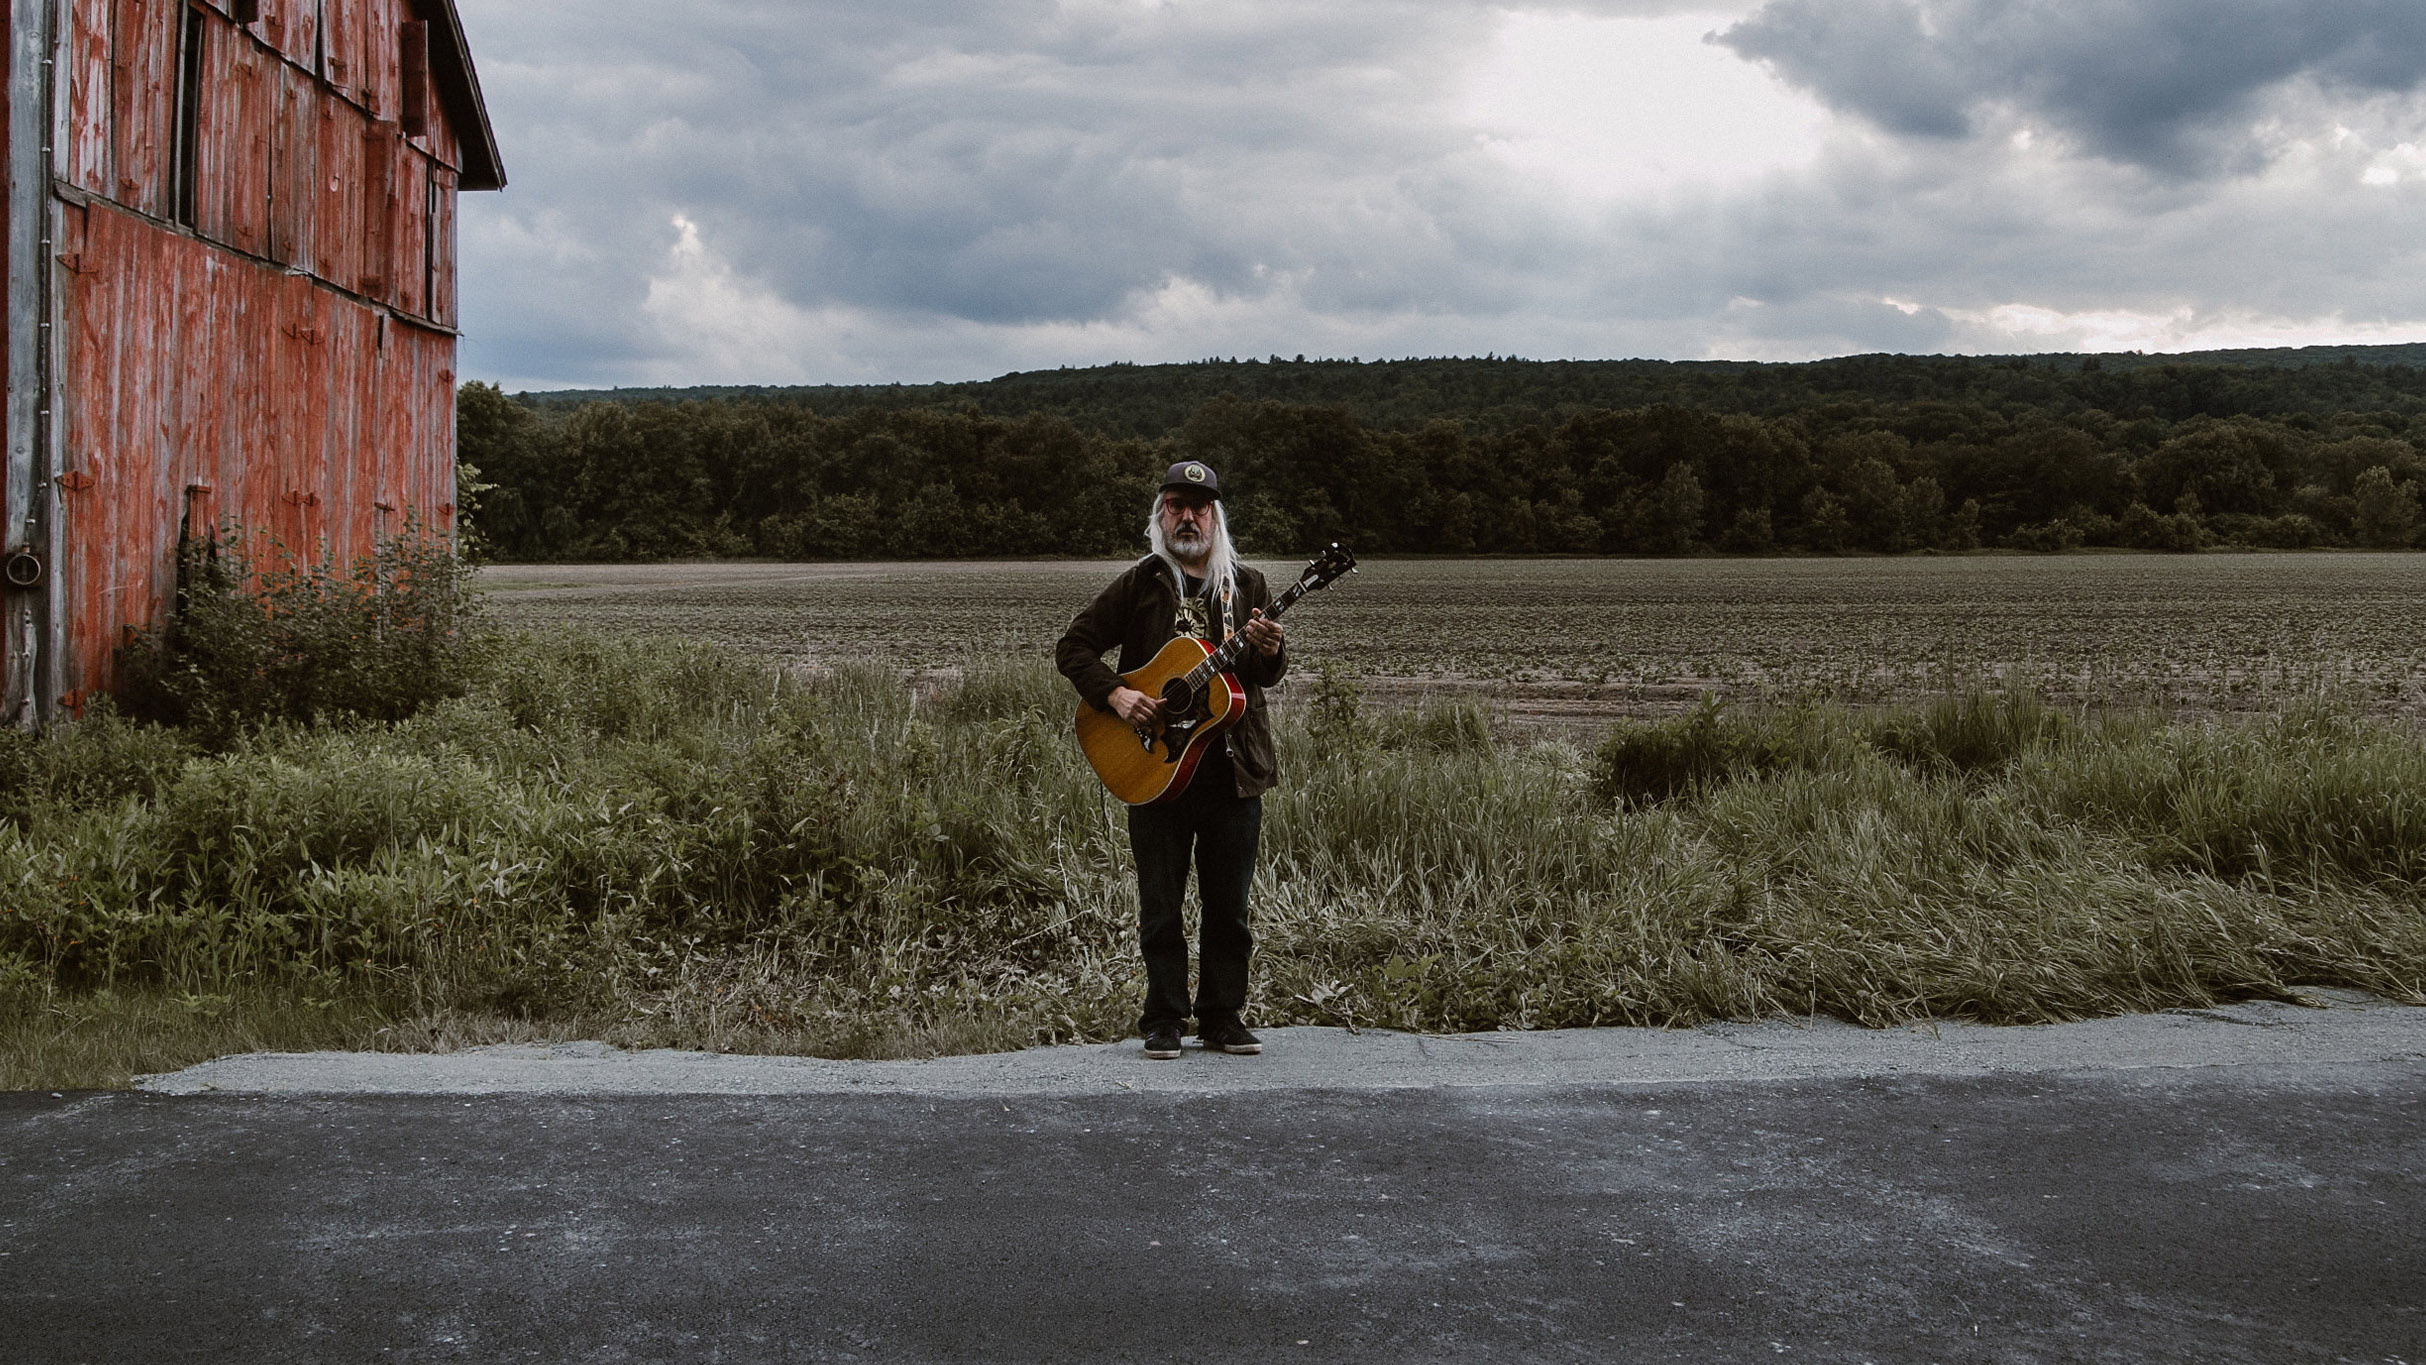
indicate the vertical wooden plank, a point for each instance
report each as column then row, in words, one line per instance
column 370, row 467
column 444, row 145
column 314, row 352
column 375, row 203
column 337, row 438
column 365, row 468
column 115, row 459
column 442, row 249
column 439, row 403
column 86, row 161
column 295, row 169
column 260, row 116
column 341, row 45
column 434, row 436
column 293, row 28
column 235, row 147
column 157, row 460
column 332, row 419
column 411, row 217
column 294, row 378
column 209, row 443
column 266, row 350
column 408, row 445
column 236, row 401
column 382, row 58
column 189, row 444
column 95, row 382
column 333, row 400
column 350, row 203
column 143, row 114
column 336, row 235
column 217, row 117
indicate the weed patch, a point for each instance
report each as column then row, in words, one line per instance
column 281, row 636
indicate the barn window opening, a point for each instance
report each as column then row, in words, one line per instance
column 413, row 42
column 185, row 181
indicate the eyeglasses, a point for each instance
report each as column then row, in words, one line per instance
column 1175, row 503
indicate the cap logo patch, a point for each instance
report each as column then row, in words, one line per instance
column 1195, row 473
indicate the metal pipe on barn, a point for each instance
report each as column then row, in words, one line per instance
column 52, row 677
column 29, row 617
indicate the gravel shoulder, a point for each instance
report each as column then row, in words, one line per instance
column 2331, row 1028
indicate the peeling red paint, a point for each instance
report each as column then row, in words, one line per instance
column 285, row 361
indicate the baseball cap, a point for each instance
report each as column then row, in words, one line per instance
column 1192, row 476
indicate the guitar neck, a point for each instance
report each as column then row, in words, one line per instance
column 1224, row 659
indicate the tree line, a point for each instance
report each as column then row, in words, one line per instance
column 1932, row 454
column 1493, row 393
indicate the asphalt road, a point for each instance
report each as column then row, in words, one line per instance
column 2262, row 1212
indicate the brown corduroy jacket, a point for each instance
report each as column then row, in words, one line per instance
column 1139, row 613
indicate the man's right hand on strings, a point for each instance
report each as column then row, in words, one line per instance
column 1134, row 706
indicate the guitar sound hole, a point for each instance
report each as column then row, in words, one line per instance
column 1178, row 701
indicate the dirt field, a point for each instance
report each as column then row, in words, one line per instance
column 1569, row 642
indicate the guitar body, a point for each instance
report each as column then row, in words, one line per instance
column 1150, row 768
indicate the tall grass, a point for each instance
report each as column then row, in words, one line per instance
column 660, row 843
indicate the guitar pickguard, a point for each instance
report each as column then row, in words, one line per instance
column 1181, row 701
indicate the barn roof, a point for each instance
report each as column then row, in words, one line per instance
column 459, row 88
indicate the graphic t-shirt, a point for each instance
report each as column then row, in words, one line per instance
column 1199, row 612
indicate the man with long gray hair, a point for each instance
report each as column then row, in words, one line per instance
column 1192, row 584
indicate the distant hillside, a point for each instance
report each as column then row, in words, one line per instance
column 2283, row 449
column 1152, row 401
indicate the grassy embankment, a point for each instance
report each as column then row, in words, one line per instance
column 664, row 844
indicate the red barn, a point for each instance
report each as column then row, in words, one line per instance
column 230, row 235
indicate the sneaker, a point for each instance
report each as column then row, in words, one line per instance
column 1162, row 1042
column 1228, row 1035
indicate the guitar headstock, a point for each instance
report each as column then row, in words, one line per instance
column 1328, row 566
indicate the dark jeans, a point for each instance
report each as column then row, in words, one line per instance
column 1220, row 829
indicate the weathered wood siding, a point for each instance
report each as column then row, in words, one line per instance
column 285, row 361
column 355, row 433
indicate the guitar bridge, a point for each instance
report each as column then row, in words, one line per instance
column 1175, row 739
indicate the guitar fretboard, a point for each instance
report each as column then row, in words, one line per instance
column 1224, row 659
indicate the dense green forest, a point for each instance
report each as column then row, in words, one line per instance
column 1868, row 453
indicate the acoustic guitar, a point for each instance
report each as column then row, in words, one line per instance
column 1147, row 765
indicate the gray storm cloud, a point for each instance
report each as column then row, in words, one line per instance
column 750, row 191
column 2165, row 84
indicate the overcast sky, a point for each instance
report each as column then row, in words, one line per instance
column 838, row 191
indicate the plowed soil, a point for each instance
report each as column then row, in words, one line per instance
column 1568, row 643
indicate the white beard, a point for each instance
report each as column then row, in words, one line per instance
column 1189, row 543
